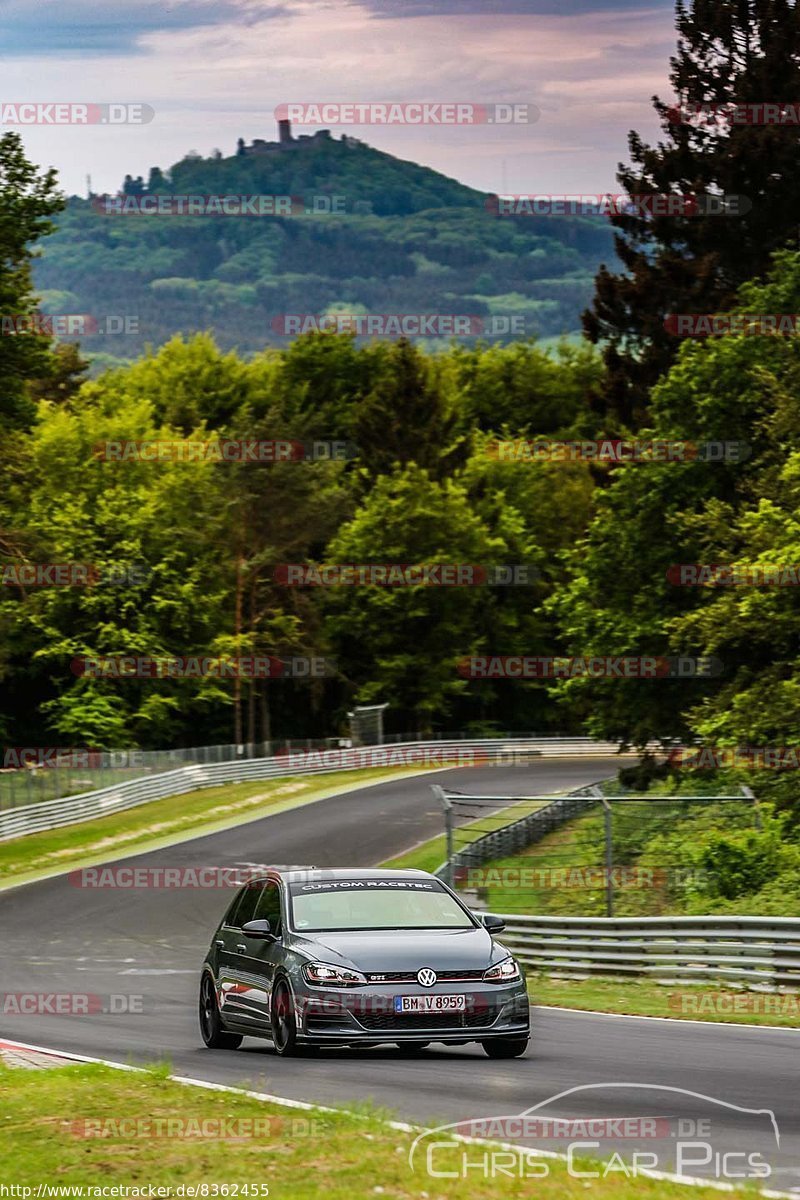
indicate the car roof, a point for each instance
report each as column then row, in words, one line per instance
column 318, row 874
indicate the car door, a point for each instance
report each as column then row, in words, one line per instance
column 255, row 964
column 231, row 944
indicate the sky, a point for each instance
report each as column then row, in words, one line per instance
column 215, row 70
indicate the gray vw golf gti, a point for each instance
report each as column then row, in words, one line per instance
column 359, row 957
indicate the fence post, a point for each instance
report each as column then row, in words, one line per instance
column 609, row 859
column 441, row 796
column 750, row 794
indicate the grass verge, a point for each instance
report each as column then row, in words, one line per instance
column 303, row 1155
column 162, row 822
column 691, row 1002
column 427, row 856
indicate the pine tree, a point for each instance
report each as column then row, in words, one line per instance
column 28, row 199
column 408, row 417
column 730, row 52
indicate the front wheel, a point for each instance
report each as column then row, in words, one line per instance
column 214, row 1036
column 510, row 1047
column 284, row 1026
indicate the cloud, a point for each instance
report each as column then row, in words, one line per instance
column 82, row 28
column 530, row 8
column 213, row 81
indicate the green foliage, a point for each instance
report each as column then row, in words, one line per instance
column 621, row 599
column 28, row 199
column 409, row 241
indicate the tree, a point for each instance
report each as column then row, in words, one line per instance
column 151, row 531
column 28, row 199
column 622, row 598
column 66, row 375
column 410, row 417
column 729, row 52
column 403, row 643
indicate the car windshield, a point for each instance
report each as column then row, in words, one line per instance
column 375, row 904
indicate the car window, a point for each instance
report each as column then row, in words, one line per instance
column 376, row 904
column 246, row 908
column 269, row 907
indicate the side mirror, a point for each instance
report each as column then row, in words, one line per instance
column 259, row 929
column 491, row 923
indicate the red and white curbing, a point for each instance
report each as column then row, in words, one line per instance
column 14, row 1054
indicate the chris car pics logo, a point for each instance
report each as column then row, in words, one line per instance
column 619, row 1132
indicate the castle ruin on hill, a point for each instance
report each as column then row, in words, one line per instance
column 286, row 142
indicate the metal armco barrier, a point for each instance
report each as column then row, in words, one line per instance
column 748, row 949
column 52, row 814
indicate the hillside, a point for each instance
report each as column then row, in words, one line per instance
column 405, row 240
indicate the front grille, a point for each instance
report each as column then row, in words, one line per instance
column 408, row 1021
column 411, row 976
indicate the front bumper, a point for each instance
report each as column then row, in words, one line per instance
column 368, row 1015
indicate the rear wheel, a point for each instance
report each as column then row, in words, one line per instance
column 284, row 1026
column 510, row 1047
column 214, row 1036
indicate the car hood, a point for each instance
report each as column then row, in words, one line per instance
column 404, row 950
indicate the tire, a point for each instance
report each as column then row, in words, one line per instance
column 215, row 1036
column 282, row 1020
column 411, row 1048
column 510, row 1047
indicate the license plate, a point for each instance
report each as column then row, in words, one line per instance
column 426, row 1004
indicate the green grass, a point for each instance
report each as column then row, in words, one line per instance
column 427, row 856
column 160, row 822
column 693, row 1002
column 303, row 1155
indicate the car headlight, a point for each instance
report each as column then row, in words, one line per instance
column 326, row 975
column 502, row 972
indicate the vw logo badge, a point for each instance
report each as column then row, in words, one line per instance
column 426, row 977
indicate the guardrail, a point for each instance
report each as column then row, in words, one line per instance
column 52, row 814
column 752, row 950
column 513, row 837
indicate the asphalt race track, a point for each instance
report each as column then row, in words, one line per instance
column 60, row 938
